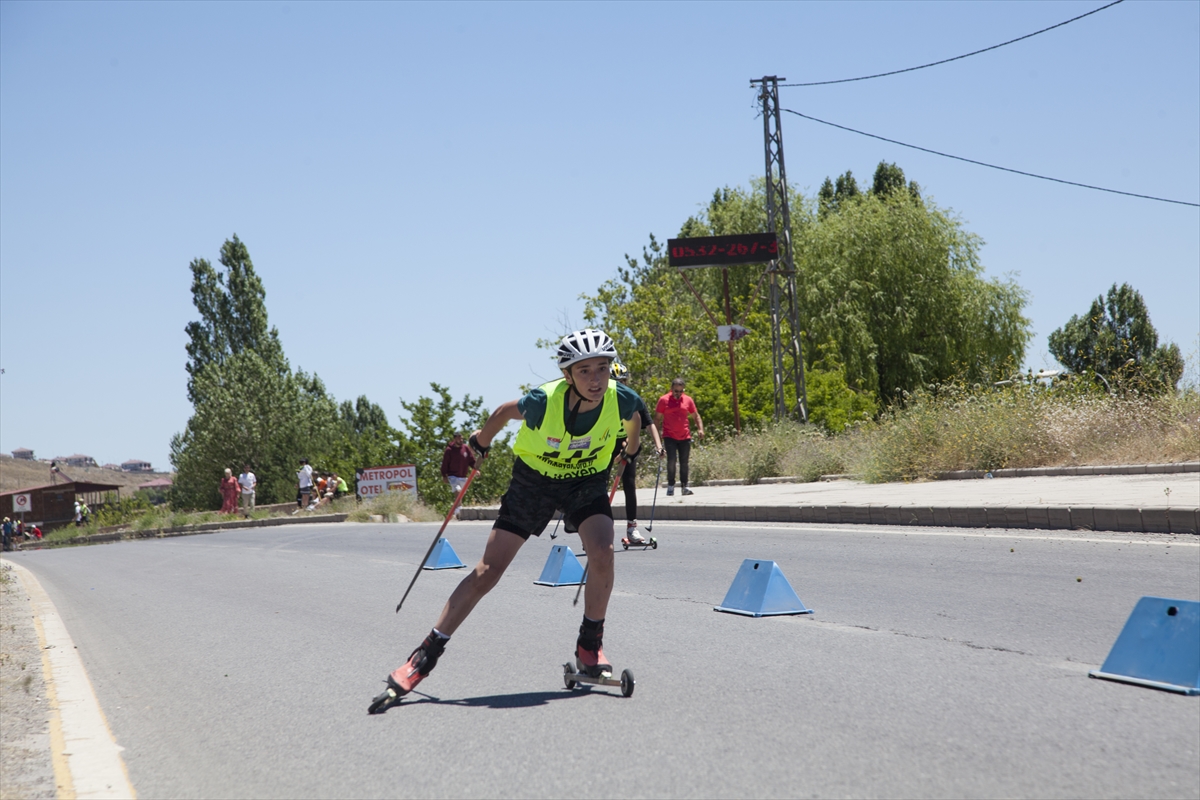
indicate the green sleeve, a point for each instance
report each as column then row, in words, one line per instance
column 533, row 407
column 627, row 401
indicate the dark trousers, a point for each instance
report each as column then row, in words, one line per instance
column 629, row 483
column 681, row 448
column 628, row 480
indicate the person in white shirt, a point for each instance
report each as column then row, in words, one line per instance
column 304, row 476
column 247, row 480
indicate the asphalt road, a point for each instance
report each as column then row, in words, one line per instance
column 940, row 663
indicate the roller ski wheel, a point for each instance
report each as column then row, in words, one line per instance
column 383, row 701
column 573, row 678
column 569, row 677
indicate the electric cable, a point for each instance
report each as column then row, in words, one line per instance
column 991, row 166
column 956, row 58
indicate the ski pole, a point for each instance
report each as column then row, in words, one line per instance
column 611, row 494
column 554, row 533
column 654, row 504
column 445, row 522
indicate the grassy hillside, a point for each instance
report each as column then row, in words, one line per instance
column 17, row 474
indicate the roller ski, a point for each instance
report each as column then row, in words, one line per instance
column 633, row 538
column 573, row 677
column 591, row 667
column 404, row 679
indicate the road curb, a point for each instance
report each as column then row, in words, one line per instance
column 1083, row 518
column 184, row 530
column 87, row 759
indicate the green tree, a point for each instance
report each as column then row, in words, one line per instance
column 430, row 424
column 1116, row 341
column 251, row 413
column 831, row 401
column 889, row 277
column 248, row 404
column 363, row 439
column 889, row 181
column 834, row 195
column 233, row 313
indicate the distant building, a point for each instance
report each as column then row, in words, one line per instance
column 54, row 505
column 77, row 460
column 23, row 453
column 113, row 467
column 134, row 465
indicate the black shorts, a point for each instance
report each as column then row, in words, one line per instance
column 532, row 498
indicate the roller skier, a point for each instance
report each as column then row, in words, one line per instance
column 633, row 536
column 568, row 436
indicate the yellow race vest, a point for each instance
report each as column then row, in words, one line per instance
column 552, row 451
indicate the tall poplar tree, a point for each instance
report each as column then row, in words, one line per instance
column 233, row 314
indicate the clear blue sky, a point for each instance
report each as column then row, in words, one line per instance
column 426, row 189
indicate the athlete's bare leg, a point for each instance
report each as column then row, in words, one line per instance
column 597, row 534
column 502, row 547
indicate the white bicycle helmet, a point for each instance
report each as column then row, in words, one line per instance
column 585, row 344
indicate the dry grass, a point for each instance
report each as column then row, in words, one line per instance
column 390, row 505
column 959, row 428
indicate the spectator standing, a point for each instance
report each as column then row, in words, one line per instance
column 457, row 462
column 247, row 481
column 7, row 533
column 304, row 476
column 672, row 414
column 229, row 493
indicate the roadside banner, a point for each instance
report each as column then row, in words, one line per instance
column 22, row 503
column 376, row 481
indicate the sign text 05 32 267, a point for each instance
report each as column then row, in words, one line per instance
column 376, row 481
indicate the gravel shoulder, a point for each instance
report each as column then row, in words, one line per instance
column 26, row 770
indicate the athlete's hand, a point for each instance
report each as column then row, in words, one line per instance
column 479, row 450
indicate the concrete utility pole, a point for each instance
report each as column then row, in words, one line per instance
column 779, row 219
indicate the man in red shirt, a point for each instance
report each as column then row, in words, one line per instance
column 672, row 414
column 457, row 462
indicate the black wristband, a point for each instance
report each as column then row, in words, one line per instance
column 479, row 449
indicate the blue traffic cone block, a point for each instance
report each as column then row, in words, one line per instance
column 1159, row 647
column 443, row 557
column 760, row 590
column 562, row 568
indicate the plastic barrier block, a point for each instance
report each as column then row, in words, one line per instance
column 760, row 590
column 562, row 568
column 442, row 557
column 1159, row 647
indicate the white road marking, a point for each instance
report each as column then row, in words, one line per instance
column 87, row 747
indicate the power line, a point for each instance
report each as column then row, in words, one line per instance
column 964, row 55
column 991, row 166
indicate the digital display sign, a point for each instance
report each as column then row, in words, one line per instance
column 722, row 251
